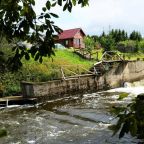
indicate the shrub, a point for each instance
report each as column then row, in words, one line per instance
column 128, row 46
column 10, row 82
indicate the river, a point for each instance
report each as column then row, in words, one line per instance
column 82, row 119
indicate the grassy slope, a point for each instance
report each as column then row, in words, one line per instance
column 134, row 56
column 48, row 70
column 51, row 66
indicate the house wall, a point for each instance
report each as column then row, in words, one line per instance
column 64, row 43
column 79, row 36
column 70, row 43
column 72, row 40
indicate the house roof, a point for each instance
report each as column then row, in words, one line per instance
column 69, row 33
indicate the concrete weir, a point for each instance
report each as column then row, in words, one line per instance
column 115, row 76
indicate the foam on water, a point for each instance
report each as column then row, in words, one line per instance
column 69, row 120
column 132, row 90
column 31, row 142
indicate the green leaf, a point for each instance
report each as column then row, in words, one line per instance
column 80, row 1
column 65, row 7
column 54, row 15
column 48, row 5
column 57, row 29
column 69, row 8
column 44, row 9
column 47, row 15
column 54, row 4
column 125, row 128
column 32, row 2
column 74, row 2
column 40, row 17
column 60, row 2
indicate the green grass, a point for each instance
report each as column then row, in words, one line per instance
column 99, row 52
column 133, row 56
column 50, row 69
column 67, row 56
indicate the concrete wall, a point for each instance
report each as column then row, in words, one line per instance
column 121, row 72
column 59, row 88
column 125, row 72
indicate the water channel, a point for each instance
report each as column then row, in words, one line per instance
column 74, row 120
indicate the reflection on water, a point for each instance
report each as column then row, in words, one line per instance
column 74, row 120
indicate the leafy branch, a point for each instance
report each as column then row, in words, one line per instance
column 19, row 20
column 131, row 119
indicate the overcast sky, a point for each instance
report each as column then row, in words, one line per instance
column 101, row 15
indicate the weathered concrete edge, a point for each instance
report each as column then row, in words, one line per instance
column 59, row 88
column 128, row 71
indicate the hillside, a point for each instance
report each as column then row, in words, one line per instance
column 50, row 69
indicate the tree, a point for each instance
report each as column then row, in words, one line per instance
column 107, row 43
column 103, row 34
column 19, row 20
column 95, row 38
column 118, row 35
column 137, row 47
column 135, row 36
column 141, row 46
column 89, row 44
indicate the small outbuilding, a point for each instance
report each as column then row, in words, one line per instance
column 72, row 38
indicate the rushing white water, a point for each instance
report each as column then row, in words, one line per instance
column 134, row 88
column 74, row 120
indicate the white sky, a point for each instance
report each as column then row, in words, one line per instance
column 101, row 15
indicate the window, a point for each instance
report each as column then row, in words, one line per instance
column 74, row 41
column 66, row 42
column 77, row 41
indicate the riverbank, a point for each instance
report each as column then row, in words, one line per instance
column 50, row 69
column 121, row 72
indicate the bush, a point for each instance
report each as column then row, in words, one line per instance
column 10, row 82
column 141, row 46
column 127, row 46
column 5, row 53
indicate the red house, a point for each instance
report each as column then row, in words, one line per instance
column 72, row 38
